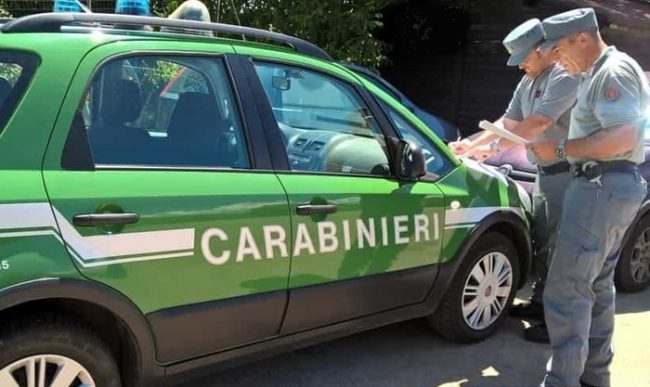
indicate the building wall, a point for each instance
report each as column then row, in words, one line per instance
column 474, row 83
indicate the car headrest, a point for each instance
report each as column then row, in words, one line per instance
column 123, row 102
column 195, row 114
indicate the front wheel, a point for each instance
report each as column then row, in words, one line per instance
column 481, row 293
column 48, row 352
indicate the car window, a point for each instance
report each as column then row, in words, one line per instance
column 325, row 124
column 163, row 111
column 436, row 162
column 380, row 85
column 16, row 70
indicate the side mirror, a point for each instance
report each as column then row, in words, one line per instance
column 410, row 161
column 281, row 83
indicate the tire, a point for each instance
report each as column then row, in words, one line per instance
column 449, row 320
column 55, row 342
column 633, row 268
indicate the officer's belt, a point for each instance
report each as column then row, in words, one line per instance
column 593, row 169
column 561, row 167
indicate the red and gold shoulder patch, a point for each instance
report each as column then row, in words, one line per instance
column 611, row 93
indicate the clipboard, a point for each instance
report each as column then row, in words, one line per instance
column 508, row 135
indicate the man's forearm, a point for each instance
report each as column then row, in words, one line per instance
column 604, row 144
column 530, row 128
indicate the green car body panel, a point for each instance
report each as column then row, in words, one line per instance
column 205, row 236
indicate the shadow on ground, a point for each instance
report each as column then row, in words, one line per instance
column 409, row 354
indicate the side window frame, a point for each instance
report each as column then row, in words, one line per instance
column 272, row 130
column 430, row 176
column 77, row 154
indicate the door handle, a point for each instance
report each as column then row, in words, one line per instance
column 313, row 209
column 92, row 220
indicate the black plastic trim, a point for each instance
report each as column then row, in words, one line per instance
column 102, row 296
column 330, row 303
column 291, row 341
column 235, row 357
column 249, row 112
column 201, row 329
column 272, row 132
column 76, row 154
column 52, row 22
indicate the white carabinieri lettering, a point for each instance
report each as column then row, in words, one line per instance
column 320, row 238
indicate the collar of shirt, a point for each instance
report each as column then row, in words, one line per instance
column 547, row 71
column 599, row 62
column 541, row 76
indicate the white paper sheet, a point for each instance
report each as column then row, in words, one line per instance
column 490, row 127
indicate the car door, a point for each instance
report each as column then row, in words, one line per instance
column 363, row 242
column 161, row 193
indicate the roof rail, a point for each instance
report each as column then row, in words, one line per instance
column 52, row 22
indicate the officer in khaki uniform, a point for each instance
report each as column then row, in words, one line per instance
column 540, row 107
column 605, row 146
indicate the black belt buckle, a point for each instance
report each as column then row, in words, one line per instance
column 592, row 170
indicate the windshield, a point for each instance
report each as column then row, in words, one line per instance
column 380, row 85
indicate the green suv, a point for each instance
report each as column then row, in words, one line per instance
column 172, row 200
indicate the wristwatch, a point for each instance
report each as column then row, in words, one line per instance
column 560, row 151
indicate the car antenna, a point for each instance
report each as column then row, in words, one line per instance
column 234, row 10
column 83, row 7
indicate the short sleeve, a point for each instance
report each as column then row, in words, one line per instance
column 514, row 110
column 618, row 99
column 559, row 96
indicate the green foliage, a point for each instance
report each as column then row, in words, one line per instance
column 162, row 73
column 3, row 9
column 343, row 28
column 10, row 72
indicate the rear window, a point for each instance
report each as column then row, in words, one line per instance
column 16, row 70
